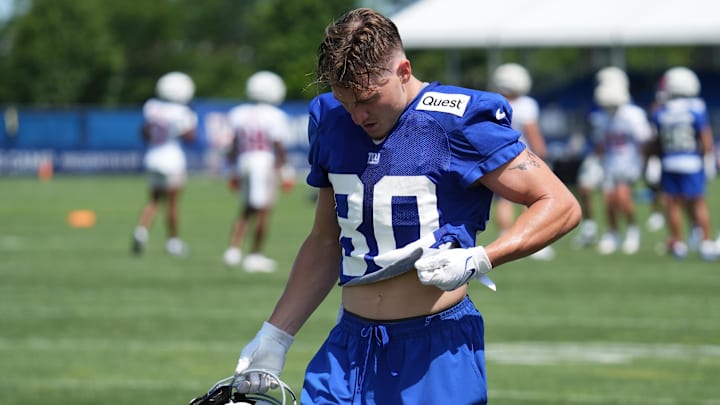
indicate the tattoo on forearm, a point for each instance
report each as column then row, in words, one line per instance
column 531, row 161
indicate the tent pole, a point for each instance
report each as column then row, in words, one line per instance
column 494, row 59
column 452, row 66
column 618, row 57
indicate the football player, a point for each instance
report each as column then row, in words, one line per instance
column 590, row 173
column 621, row 131
column 258, row 156
column 168, row 121
column 514, row 82
column 685, row 145
column 402, row 166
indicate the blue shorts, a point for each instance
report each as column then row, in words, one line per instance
column 432, row 359
column 683, row 185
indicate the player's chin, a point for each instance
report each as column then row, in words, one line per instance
column 375, row 131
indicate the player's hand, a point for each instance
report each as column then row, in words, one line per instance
column 710, row 166
column 452, row 268
column 233, row 183
column 287, row 178
column 265, row 352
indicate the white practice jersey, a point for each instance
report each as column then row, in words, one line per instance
column 525, row 111
column 621, row 135
column 167, row 122
column 256, row 128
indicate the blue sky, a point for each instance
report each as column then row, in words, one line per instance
column 5, row 8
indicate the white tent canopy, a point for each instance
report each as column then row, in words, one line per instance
column 558, row 23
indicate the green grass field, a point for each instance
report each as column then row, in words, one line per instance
column 84, row 322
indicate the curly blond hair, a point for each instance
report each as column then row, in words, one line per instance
column 357, row 47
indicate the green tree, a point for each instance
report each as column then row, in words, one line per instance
column 291, row 33
column 113, row 51
column 60, row 54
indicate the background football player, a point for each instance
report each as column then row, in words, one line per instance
column 258, row 156
column 590, row 173
column 621, row 132
column 168, row 121
column 686, row 149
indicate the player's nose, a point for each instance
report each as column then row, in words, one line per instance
column 359, row 115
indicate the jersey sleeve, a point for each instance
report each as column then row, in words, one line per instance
column 318, row 175
column 642, row 131
column 187, row 120
column 484, row 140
column 278, row 125
column 702, row 120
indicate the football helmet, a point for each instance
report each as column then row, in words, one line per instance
column 511, row 78
column 612, row 74
column 176, row 87
column 680, row 81
column 223, row 393
column 611, row 94
column 265, row 87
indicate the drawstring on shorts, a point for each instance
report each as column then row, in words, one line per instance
column 377, row 337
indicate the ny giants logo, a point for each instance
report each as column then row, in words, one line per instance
column 373, row 158
column 448, row 103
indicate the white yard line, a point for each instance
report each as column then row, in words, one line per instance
column 551, row 397
column 540, row 353
column 521, row 353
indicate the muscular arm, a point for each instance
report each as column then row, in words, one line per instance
column 315, row 271
column 552, row 210
column 280, row 154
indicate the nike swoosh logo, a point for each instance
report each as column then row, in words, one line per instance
column 469, row 275
column 499, row 114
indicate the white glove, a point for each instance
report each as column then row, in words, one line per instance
column 710, row 166
column 452, row 268
column 265, row 352
column 653, row 170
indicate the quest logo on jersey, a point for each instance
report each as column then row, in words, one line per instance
column 449, row 103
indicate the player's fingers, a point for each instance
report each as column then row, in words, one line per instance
column 430, row 263
column 263, row 386
column 241, row 385
column 256, row 383
column 433, row 251
column 426, row 277
column 271, row 382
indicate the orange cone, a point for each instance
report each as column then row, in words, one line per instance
column 81, row 218
column 45, row 170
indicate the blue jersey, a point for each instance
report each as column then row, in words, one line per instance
column 679, row 124
column 418, row 180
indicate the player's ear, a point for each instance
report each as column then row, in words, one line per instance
column 404, row 71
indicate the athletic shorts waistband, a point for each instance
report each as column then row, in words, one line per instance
column 355, row 323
